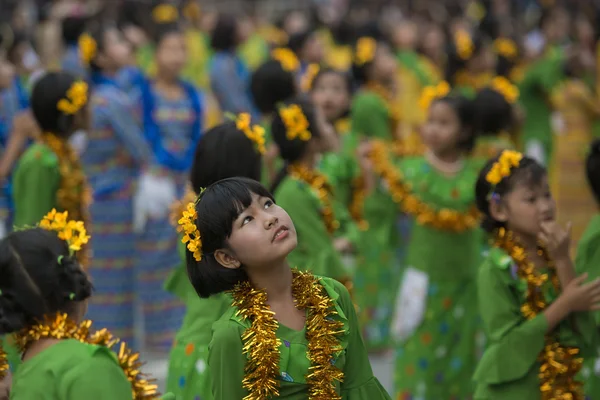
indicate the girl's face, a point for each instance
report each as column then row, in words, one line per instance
column 330, row 94
column 384, row 64
column 525, row 208
column 313, row 50
column 327, row 141
column 483, row 61
column 442, row 129
column 171, row 54
column 433, row 41
column 263, row 234
column 117, row 51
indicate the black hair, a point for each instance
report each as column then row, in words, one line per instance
column 161, row 31
column 292, row 150
column 98, row 32
column 271, row 84
column 592, row 168
column 297, row 41
column 224, row 152
column 528, row 171
column 506, row 65
column 224, row 36
column 455, row 62
column 464, row 109
column 47, row 92
column 72, row 28
column 218, row 208
column 492, row 113
column 37, row 277
column 325, row 71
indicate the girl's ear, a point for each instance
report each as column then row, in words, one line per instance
column 498, row 209
column 226, row 259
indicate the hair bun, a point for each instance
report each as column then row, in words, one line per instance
column 595, row 150
column 74, row 282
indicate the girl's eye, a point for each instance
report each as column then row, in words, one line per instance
column 246, row 220
column 268, row 203
column 530, row 199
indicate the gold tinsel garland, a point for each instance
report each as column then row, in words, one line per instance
column 73, row 195
column 559, row 364
column 3, row 363
column 61, row 327
column 261, row 344
column 401, row 192
column 318, row 182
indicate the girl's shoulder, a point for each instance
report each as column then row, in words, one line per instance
column 38, row 154
column 367, row 98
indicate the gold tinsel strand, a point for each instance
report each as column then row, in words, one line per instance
column 401, row 193
column 558, row 364
column 261, row 344
column 3, row 363
column 61, row 327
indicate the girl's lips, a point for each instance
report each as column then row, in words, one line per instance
column 280, row 233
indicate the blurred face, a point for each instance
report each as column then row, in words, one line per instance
column 328, row 140
column 313, row 50
column 483, row 61
column 7, row 73
column 384, row 64
column 584, row 31
column 330, row 94
column 433, row 41
column 525, row 208
column 442, row 129
column 262, row 235
column 405, row 36
column 82, row 120
column 171, row 54
column 117, row 51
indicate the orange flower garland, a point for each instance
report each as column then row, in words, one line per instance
column 318, row 182
column 3, row 363
column 401, row 192
column 358, row 200
column 559, row 364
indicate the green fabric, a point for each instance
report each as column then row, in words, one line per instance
column 35, row 183
column 226, row 360
column 509, row 367
column 71, row 370
column 413, row 62
column 12, row 353
column 254, row 51
column 438, row 358
column 535, row 89
column 370, row 116
column 315, row 249
column 277, row 162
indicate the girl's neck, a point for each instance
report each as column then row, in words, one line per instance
column 276, row 281
column 530, row 245
column 39, row 346
column 309, row 160
column 166, row 80
column 448, row 163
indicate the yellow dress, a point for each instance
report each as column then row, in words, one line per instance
column 578, row 108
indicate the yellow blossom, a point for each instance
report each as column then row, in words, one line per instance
column 295, row 122
column 432, row 93
column 365, row 50
column 87, row 48
column 255, row 133
column 505, row 88
column 464, row 44
column 502, row 168
column 191, row 235
column 506, row 48
column 165, row 13
column 77, row 97
column 287, row 58
column 72, row 232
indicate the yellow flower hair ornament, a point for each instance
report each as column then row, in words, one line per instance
column 88, row 48
column 502, row 168
column 296, row 124
column 505, row 88
column 287, row 58
column 72, row 232
column 309, row 76
column 165, row 13
column 432, row 93
column 464, row 45
column 255, row 133
column 506, row 48
column 365, row 51
column 187, row 225
column 77, row 97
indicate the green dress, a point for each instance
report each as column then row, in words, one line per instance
column 436, row 310
column 71, row 370
column 12, row 353
column 371, row 116
column 509, row 367
column 226, row 360
column 188, row 377
column 35, row 182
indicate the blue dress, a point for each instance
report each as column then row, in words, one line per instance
column 116, row 150
column 71, row 61
column 172, row 128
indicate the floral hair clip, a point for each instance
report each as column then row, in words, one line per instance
column 77, row 97
column 505, row 88
column 165, row 13
column 87, row 48
column 187, row 225
column 296, row 124
column 464, row 44
column 506, row 48
column 255, row 133
column 287, row 58
column 365, row 51
column 432, row 93
column 501, row 169
column 311, row 73
column 72, row 232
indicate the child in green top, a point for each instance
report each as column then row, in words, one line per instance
column 288, row 334
column 533, row 306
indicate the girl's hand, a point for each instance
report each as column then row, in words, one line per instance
column 363, row 155
column 5, row 385
column 556, row 239
column 580, row 296
column 342, row 245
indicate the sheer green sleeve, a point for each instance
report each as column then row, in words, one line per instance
column 370, row 116
column 226, row 361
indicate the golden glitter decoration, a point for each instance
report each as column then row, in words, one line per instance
column 261, row 344
column 191, row 234
column 401, row 192
column 255, row 133
column 319, row 183
column 72, row 232
column 503, row 86
column 61, row 327
column 3, row 363
column 506, row 48
column 165, row 14
column 432, row 93
column 501, row 169
column 464, row 45
column 77, row 97
column 559, row 364
column 366, row 47
column 287, row 58
column 309, row 76
column 296, row 124
column 87, row 48
column 73, row 194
